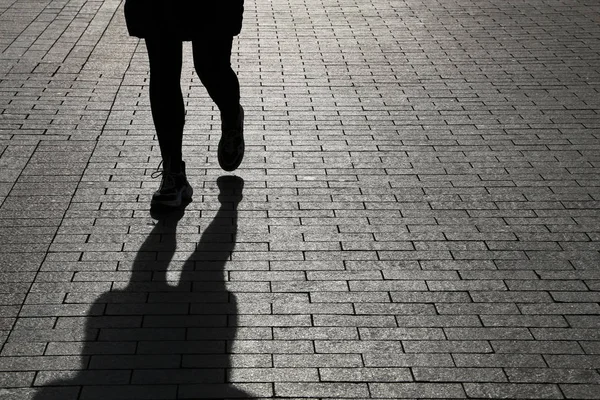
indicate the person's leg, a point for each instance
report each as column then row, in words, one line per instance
column 168, row 113
column 166, row 99
column 212, row 62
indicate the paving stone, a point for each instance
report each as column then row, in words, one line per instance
column 16, row 379
column 446, row 346
column 524, row 321
column 274, row 375
column 382, row 359
column 317, row 360
column 315, row 390
column 128, row 391
column 557, row 375
column 524, row 391
column 417, row 390
column 365, row 374
column 83, row 378
column 498, row 360
column 579, row 391
column 572, row 360
column 454, row 374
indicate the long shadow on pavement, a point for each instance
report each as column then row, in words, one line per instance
column 153, row 340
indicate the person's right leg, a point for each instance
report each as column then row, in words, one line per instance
column 168, row 113
column 166, row 99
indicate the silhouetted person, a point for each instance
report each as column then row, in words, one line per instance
column 210, row 25
column 156, row 339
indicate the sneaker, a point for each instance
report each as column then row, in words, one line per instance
column 174, row 188
column 231, row 145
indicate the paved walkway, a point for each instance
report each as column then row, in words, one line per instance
column 417, row 215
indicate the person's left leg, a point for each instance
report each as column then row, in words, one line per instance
column 212, row 60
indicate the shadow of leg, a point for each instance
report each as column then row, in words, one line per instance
column 152, row 340
column 213, row 305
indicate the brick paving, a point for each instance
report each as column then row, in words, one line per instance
column 417, row 215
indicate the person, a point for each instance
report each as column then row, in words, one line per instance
column 211, row 27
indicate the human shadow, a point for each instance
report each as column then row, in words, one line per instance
column 156, row 340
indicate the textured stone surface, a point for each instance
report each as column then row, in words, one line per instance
column 420, row 214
